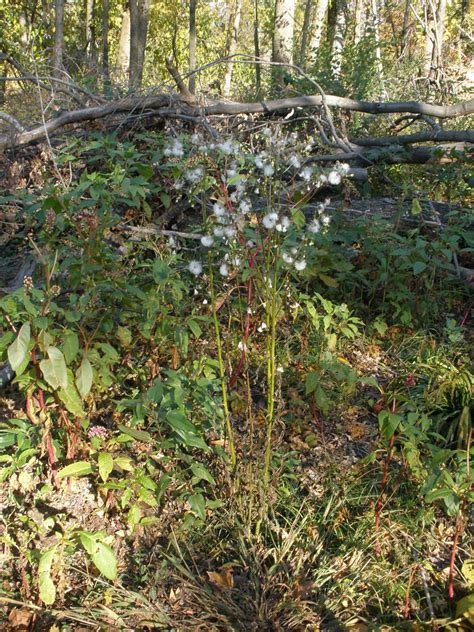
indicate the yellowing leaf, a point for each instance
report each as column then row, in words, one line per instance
column 223, row 578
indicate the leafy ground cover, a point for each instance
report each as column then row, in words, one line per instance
column 258, row 419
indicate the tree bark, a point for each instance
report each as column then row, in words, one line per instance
column 58, row 50
column 283, row 31
column 360, row 22
column 90, row 8
column 318, row 27
column 375, row 19
column 139, row 11
column 256, row 43
column 234, row 25
column 105, row 42
column 122, row 64
column 308, row 9
column 192, row 45
column 338, row 39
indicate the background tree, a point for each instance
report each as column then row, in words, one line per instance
column 139, row 11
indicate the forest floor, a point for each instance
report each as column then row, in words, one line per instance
column 365, row 523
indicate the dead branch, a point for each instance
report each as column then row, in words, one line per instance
column 466, row 136
column 158, row 102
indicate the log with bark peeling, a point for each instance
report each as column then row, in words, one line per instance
column 167, row 105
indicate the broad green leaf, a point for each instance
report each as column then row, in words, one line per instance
column 124, row 335
column 198, row 505
column 80, row 468
column 84, row 378
column 418, row 267
column 465, row 608
column 148, row 497
column 70, row 346
column 194, row 327
column 19, row 348
column 47, row 589
column 88, row 541
column 139, row 435
column 327, row 280
column 106, row 464
column 388, row 423
column 178, row 422
column 311, row 382
column 124, row 463
column 415, row 207
column 72, row 401
column 105, row 561
column 134, row 515
column 54, row 370
column 161, row 272
column 201, row 473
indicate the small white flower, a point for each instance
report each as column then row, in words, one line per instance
column 229, row 231
column 322, row 179
column 207, row 241
column 270, row 220
column 287, row 258
column 294, row 251
column 295, row 162
column 195, row 139
column 279, row 369
column 250, row 244
column 244, row 207
column 334, row 178
column 226, row 148
column 315, row 226
column 267, row 132
column 218, row 231
column 343, row 168
column 242, row 346
column 268, row 170
column 236, row 261
column 326, row 220
column 306, row 174
column 195, row 267
column 204, row 301
column 218, row 210
column 224, row 269
column 300, row 265
column 262, row 327
column 283, row 224
column 259, row 162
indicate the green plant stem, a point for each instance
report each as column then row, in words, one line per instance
column 225, row 402
column 271, row 379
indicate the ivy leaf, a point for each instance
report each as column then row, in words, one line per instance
column 18, row 350
column 54, row 370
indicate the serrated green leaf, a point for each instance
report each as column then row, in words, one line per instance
column 19, row 348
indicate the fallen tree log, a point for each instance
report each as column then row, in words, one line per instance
column 169, row 105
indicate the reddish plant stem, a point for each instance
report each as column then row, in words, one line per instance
column 24, row 579
column 457, row 534
column 383, row 486
column 406, row 612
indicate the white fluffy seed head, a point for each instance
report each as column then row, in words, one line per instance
column 195, row 267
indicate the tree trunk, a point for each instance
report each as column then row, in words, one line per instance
column 90, row 7
column 283, row 31
column 308, row 9
column 105, row 42
column 256, row 43
column 338, row 39
column 192, row 45
column 437, row 59
column 318, row 27
column 360, row 12
column 234, row 25
column 122, row 64
column 58, row 50
column 139, row 10
column 375, row 19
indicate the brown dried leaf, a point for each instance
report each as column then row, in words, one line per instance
column 223, row 578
